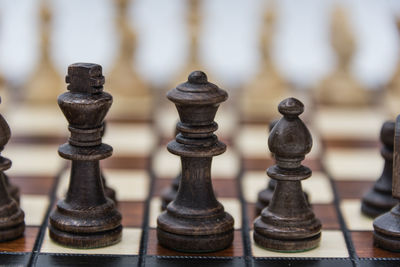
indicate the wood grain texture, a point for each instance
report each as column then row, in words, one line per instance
column 364, row 244
column 235, row 250
column 22, row 244
column 195, row 221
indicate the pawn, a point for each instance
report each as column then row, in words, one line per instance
column 108, row 191
column 195, row 221
column 12, row 189
column 265, row 196
column 387, row 225
column 379, row 199
column 288, row 224
column 86, row 218
column 12, row 223
column 169, row 193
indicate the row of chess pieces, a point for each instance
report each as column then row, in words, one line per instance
column 193, row 220
column 137, row 97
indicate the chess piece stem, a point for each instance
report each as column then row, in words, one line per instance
column 288, row 223
column 379, row 199
column 85, row 218
column 195, row 221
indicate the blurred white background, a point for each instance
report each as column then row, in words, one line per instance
column 228, row 40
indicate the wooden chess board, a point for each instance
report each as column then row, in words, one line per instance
column 345, row 161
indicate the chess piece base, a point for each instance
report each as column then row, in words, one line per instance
column 281, row 245
column 85, row 241
column 196, row 243
column 85, row 228
column 185, row 233
column 12, row 233
column 387, row 230
column 12, row 223
column 375, row 203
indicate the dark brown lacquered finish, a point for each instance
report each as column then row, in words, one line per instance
column 13, row 190
column 379, row 199
column 288, row 223
column 364, row 245
column 108, row 191
column 12, row 223
column 170, row 192
column 387, row 226
column 85, row 218
column 195, row 221
column 234, row 250
column 265, row 196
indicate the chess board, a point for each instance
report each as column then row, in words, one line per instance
column 345, row 161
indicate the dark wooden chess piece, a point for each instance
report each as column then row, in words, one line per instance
column 195, row 221
column 387, row 226
column 85, row 218
column 288, row 223
column 379, row 199
column 265, row 196
column 12, row 223
column 108, row 191
column 13, row 190
column 169, row 193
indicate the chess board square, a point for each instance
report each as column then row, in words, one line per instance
column 354, row 219
column 317, row 186
column 364, row 245
column 129, row 245
column 345, row 123
column 232, row 206
column 354, row 164
column 37, row 121
column 235, row 250
column 132, row 213
column 332, row 245
column 33, row 160
column 130, row 185
column 252, row 141
column 35, row 207
column 128, row 139
column 22, row 244
column 167, row 165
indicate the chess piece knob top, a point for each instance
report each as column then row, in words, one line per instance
column 85, row 78
column 198, row 77
column 291, row 106
column 197, row 91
